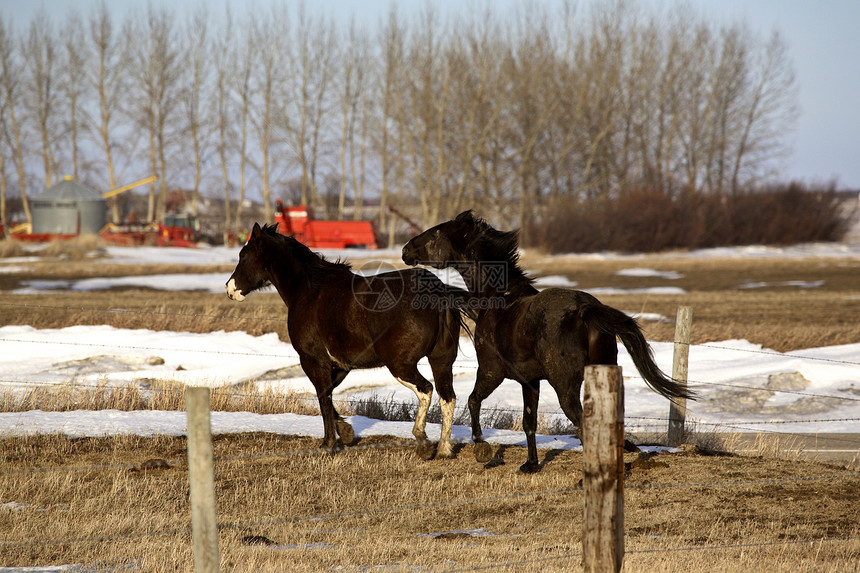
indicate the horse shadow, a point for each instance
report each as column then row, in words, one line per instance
column 498, row 458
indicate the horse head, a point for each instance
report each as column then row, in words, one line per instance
column 465, row 238
column 252, row 271
column 446, row 243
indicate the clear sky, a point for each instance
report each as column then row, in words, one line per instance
column 822, row 36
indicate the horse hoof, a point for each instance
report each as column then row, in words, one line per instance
column 443, row 453
column 483, row 452
column 345, row 431
column 530, row 468
column 426, row 450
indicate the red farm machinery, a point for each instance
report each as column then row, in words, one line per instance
column 299, row 222
column 175, row 231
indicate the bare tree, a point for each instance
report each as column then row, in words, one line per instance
column 40, row 58
column 223, row 54
column 312, row 53
column 358, row 175
column 427, row 96
column 511, row 115
column 155, row 72
column 696, row 107
column 391, row 40
column 242, row 90
column 10, row 67
column 664, row 62
column 196, row 85
column 108, row 80
column 353, row 78
column 767, row 112
column 74, row 86
column 472, row 59
column 3, row 147
column 270, row 32
column 726, row 84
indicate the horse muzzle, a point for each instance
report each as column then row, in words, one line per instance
column 409, row 256
column 233, row 292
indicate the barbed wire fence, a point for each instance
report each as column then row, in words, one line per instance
column 643, row 422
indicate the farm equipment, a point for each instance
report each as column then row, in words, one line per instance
column 299, row 222
column 74, row 213
column 179, row 229
column 176, row 231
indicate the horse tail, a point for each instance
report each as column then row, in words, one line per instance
column 608, row 320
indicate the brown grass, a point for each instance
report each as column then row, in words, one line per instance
column 154, row 310
column 11, row 248
column 150, row 395
column 378, row 507
column 83, row 247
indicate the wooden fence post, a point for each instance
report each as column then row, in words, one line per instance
column 603, row 469
column 201, row 475
column 678, row 406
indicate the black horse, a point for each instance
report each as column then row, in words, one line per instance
column 339, row 321
column 527, row 335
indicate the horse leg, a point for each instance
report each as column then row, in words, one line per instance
column 331, row 441
column 531, row 393
column 423, row 389
column 485, row 383
column 568, row 399
column 602, row 349
column 321, row 377
column 443, row 378
column 344, row 429
column 565, row 377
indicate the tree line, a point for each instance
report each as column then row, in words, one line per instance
column 511, row 113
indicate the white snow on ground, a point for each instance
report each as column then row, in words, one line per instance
column 641, row 272
column 209, row 282
column 795, row 284
column 726, row 374
column 554, row 281
column 721, row 372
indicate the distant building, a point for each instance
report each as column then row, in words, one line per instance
column 69, row 207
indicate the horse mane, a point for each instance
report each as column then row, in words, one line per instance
column 316, row 267
column 487, row 243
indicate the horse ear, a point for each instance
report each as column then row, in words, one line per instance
column 465, row 216
column 255, row 232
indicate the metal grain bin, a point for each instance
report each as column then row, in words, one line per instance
column 69, row 207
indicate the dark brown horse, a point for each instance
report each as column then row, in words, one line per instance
column 527, row 335
column 339, row 321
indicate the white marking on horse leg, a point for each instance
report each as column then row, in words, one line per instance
column 233, row 292
column 447, row 407
column 418, row 430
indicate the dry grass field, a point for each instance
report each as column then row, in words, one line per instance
column 282, row 506
column 379, row 507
